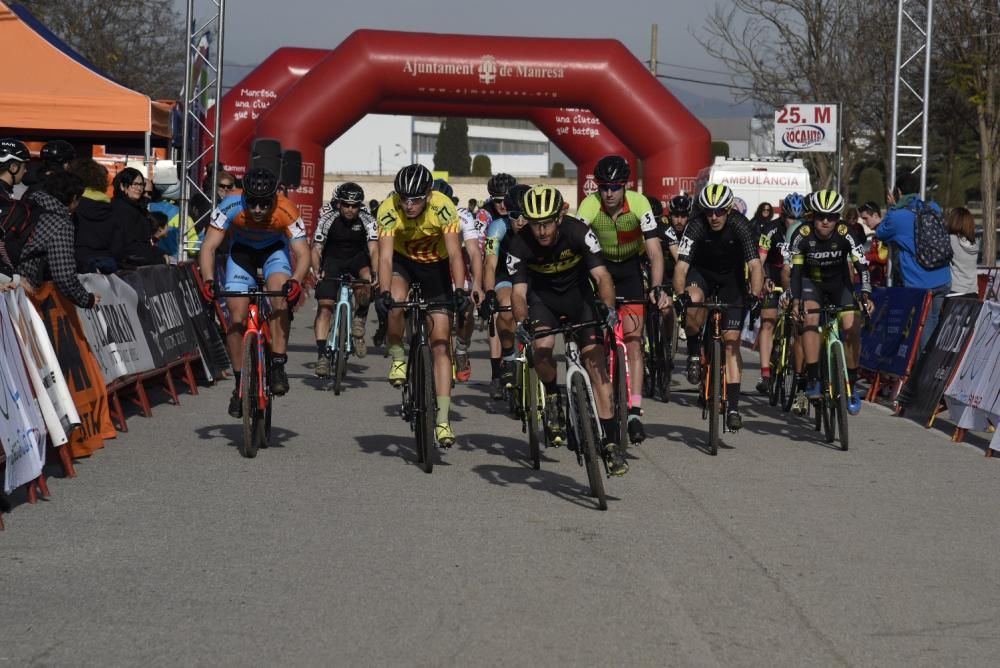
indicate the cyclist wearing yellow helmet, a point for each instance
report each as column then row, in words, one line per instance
column 717, row 246
column 551, row 268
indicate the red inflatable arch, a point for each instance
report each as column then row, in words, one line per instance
column 325, row 93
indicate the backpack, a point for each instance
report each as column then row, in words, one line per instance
column 18, row 220
column 932, row 247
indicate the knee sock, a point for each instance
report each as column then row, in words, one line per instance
column 812, row 372
column 732, row 396
column 694, row 345
column 237, row 375
column 852, row 377
column 610, row 427
column 397, row 353
column 494, row 367
column 444, row 403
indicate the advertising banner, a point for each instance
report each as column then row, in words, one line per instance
column 113, row 328
column 806, row 128
column 169, row 333
column 925, row 386
column 973, row 396
column 213, row 350
column 888, row 342
column 22, row 429
column 82, row 373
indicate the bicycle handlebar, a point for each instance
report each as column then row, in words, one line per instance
column 253, row 293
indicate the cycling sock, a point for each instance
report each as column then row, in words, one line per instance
column 278, row 360
column 732, row 396
column 237, row 375
column 320, row 347
column 800, row 380
column 852, row 377
column 508, row 354
column 610, row 427
column 444, row 403
column 495, row 367
column 362, row 311
column 634, row 413
column 812, row 372
column 694, row 345
column 397, row 353
column 765, row 372
column 551, row 388
column 636, row 401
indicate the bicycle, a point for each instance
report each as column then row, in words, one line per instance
column 714, row 378
column 526, row 399
column 585, row 433
column 255, row 379
column 831, row 409
column 621, row 383
column 781, row 390
column 419, row 405
column 660, row 351
column 339, row 343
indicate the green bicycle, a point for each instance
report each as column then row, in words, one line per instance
column 831, row 408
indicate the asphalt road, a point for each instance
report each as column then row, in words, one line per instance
column 336, row 549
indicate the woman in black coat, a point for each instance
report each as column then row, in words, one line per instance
column 129, row 214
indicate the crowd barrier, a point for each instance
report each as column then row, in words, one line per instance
column 65, row 370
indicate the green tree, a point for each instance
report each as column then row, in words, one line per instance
column 481, row 166
column 720, row 148
column 140, row 43
column 871, row 187
column 451, row 153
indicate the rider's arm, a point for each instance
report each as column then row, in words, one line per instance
column 476, row 262
column 861, row 267
column 453, row 244
column 206, row 256
column 519, row 302
column 751, row 256
column 756, row 277
column 685, row 251
column 317, row 254
column 300, row 251
column 680, row 277
column 651, row 235
column 385, row 261
column 655, row 252
column 490, row 273
column 605, row 285
column 798, row 262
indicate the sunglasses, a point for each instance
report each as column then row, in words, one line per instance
column 226, row 186
column 414, row 200
column 828, row 217
column 349, row 205
column 544, row 223
column 610, row 187
column 716, row 213
column 262, row 203
column 514, row 215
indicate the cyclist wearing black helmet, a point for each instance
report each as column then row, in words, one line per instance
column 626, row 227
column 497, row 283
column 14, row 157
column 345, row 241
column 419, row 241
column 264, row 226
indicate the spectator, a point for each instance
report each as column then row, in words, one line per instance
column 473, row 205
column 14, row 157
column 126, row 205
column 99, row 239
column 965, row 250
column 165, row 199
column 373, row 207
column 167, row 238
column 878, row 253
column 899, row 229
column 49, row 251
column 765, row 212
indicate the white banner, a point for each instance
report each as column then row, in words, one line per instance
column 22, row 428
column 973, row 396
column 806, row 128
column 113, row 329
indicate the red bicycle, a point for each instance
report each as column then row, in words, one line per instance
column 621, row 377
column 255, row 381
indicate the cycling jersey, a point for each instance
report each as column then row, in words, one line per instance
column 472, row 227
column 283, row 225
column 621, row 237
column 420, row 239
column 722, row 252
column 340, row 239
column 560, row 267
column 772, row 248
column 824, row 261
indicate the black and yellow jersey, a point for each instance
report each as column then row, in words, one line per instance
column 559, row 267
column 422, row 238
column 824, row 261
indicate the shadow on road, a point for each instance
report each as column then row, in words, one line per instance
column 233, row 432
column 514, row 449
column 399, row 447
column 557, row 484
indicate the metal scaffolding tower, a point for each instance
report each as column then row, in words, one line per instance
column 203, row 73
column 913, row 79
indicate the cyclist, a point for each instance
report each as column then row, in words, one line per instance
column 497, row 282
column 773, row 250
column 822, row 250
column 472, row 240
column 265, row 225
column 626, row 228
column 551, row 268
column 713, row 254
column 419, row 241
column 345, row 241
column 494, row 208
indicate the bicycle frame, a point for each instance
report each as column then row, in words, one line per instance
column 257, row 323
column 830, row 341
column 343, row 311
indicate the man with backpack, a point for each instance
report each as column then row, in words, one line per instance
column 917, row 231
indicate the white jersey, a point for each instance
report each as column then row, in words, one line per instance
column 472, row 228
column 327, row 215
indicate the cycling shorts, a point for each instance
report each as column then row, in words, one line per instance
column 244, row 261
column 333, row 268
column 730, row 288
column 545, row 308
column 834, row 294
column 434, row 277
column 629, row 284
column 771, row 300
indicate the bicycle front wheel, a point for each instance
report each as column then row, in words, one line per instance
column 838, row 402
column 620, row 389
column 777, row 374
column 587, row 430
column 249, row 387
column 536, row 433
column 788, row 387
column 714, row 397
column 340, row 352
column 426, row 407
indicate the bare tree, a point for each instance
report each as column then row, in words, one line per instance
column 822, row 51
column 969, row 41
column 140, row 43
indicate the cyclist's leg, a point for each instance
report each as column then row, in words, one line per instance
column 277, row 272
column 435, row 278
column 241, row 269
column 733, row 292
column 595, row 361
column 629, row 285
column 505, row 342
column 765, row 339
column 850, row 323
column 694, row 322
column 362, row 300
column 399, row 287
column 810, row 337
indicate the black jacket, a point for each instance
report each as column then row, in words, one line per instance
column 137, row 234
column 98, row 233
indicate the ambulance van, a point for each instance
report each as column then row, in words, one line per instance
column 756, row 181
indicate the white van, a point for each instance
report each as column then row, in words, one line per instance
column 756, row 181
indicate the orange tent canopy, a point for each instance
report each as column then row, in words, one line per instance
column 49, row 91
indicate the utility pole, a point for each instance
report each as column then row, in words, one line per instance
column 652, row 49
